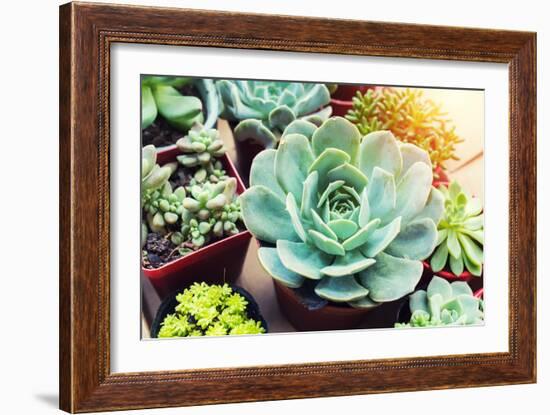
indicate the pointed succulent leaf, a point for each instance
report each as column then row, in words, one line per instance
column 148, row 107
column 309, row 195
column 413, row 191
column 474, row 223
column 343, row 228
column 412, row 154
column 314, row 98
column 461, row 287
column 390, row 278
column 262, row 172
column 302, row 127
column 350, row 264
column 274, row 267
column 434, row 208
column 148, row 159
column 328, row 160
column 380, row 238
column 473, row 267
column 333, row 186
column 381, row 193
column 453, row 244
column 265, row 215
column 180, row 111
column 302, row 259
column 326, row 244
column 349, row 174
column 293, row 158
column 439, row 258
column 342, row 289
column 380, row 149
column 363, row 213
column 415, row 241
column 440, row 286
column 474, row 207
column 321, row 226
column 281, row 117
column 471, row 249
column 364, row 303
column 475, row 235
column 292, row 209
column 418, row 301
column 457, row 265
column 361, row 236
column 157, row 177
column 337, row 133
column 255, row 130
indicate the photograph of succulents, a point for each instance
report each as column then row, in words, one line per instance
column 273, row 206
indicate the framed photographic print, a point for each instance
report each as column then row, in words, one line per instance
column 259, row 207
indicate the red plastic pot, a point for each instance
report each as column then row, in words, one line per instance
column 442, row 178
column 466, row 276
column 341, row 101
column 219, row 262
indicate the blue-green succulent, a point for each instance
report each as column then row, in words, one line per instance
column 263, row 109
column 444, row 304
column 159, row 95
column 354, row 215
column 460, row 233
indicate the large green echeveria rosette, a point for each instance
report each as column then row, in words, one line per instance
column 353, row 215
column 263, row 109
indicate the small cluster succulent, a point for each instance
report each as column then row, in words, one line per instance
column 164, row 207
column 200, row 147
column 460, row 233
column 204, row 208
column 209, row 211
column 160, row 95
column 444, row 304
column 263, row 109
column 209, row 310
column 355, row 215
column 154, row 188
column 410, row 117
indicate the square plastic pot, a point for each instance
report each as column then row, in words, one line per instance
column 216, row 263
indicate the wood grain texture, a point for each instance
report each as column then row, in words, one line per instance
column 86, row 33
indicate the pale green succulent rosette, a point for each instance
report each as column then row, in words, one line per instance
column 265, row 108
column 444, row 304
column 354, row 215
column 461, row 236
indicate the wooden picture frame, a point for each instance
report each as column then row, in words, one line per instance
column 86, row 33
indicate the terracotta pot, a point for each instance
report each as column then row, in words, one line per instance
column 341, row 101
column 169, row 304
column 333, row 317
column 219, row 262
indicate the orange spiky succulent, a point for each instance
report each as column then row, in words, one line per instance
column 410, row 117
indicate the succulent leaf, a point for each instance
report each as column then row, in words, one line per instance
column 265, row 215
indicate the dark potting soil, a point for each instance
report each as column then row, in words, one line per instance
column 162, row 134
column 159, row 249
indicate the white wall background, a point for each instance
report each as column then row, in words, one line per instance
column 28, row 361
